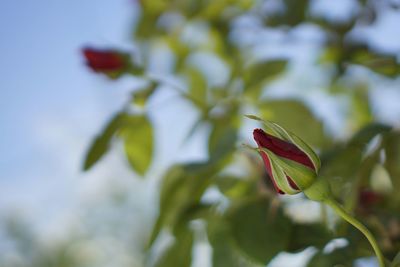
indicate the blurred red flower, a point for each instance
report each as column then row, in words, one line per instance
column 104, row 60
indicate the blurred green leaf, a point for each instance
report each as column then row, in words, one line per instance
column 221, row 242
column 179, row 253
column 339, row 257
column 146, row 27
column 222, row 141
column 361, row 111
column 151, row 10
column 141, row 96
column 294, row 115
column 258, row 73
column 294, row 13
column 235, row 187
column 259, row 230
column 213, row 9
column 306, row 235
column 365, row 134
column 225, row 253
column 137, row 133
column 181, row 190
column 391, row 144
column 224, row 134
column 396, row 261
column 181, row 50
column 344, row 160
column 154, row 6
column 343, row 163
column 197, row 87
column 383, row 64
column 101, row 143
column 253, row 117
column 358, row 247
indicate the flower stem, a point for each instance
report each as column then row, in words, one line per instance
column 345, row 215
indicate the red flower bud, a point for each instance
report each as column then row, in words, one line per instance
column 104, row 60
column 287, row 151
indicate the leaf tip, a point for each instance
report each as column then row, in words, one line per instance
column 253, row 117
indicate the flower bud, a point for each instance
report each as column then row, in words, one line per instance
column 290, row 162
column 104, row 60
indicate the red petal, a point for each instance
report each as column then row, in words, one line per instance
column 292, row 183
column 282, row 148
column 103, row 60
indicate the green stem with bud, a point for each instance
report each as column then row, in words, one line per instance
column 320, row 191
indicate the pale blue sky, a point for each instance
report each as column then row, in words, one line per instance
column 51, row 105
column 42, row 71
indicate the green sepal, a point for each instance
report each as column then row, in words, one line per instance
column 319, row 191
column 301, row 175
column 280, row 178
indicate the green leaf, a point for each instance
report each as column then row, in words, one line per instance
column 137, row 133
column 254, row 117
column 197, row 86
column 361, row 111
column 306, row 235
column 344, row 161
column 259, row 230
column 180, row 49
column 294, row 12
column 339, row 257
column 386, row 65
column 391, row 144
column 181, row 190
column 221, row 241
column 223, row 137
column 146, row 27
column 396, row 261
column 259, row 73
column 365, row 134
column 222, row 141
column 101, row 143
column 293, row 115
column 358, row 247
column 147, row 24
column 180, row 252
column 141, row 96
column 225, row 253
column 236, row 187
column 341, row 161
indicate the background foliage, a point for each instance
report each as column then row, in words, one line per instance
column 249, row 224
